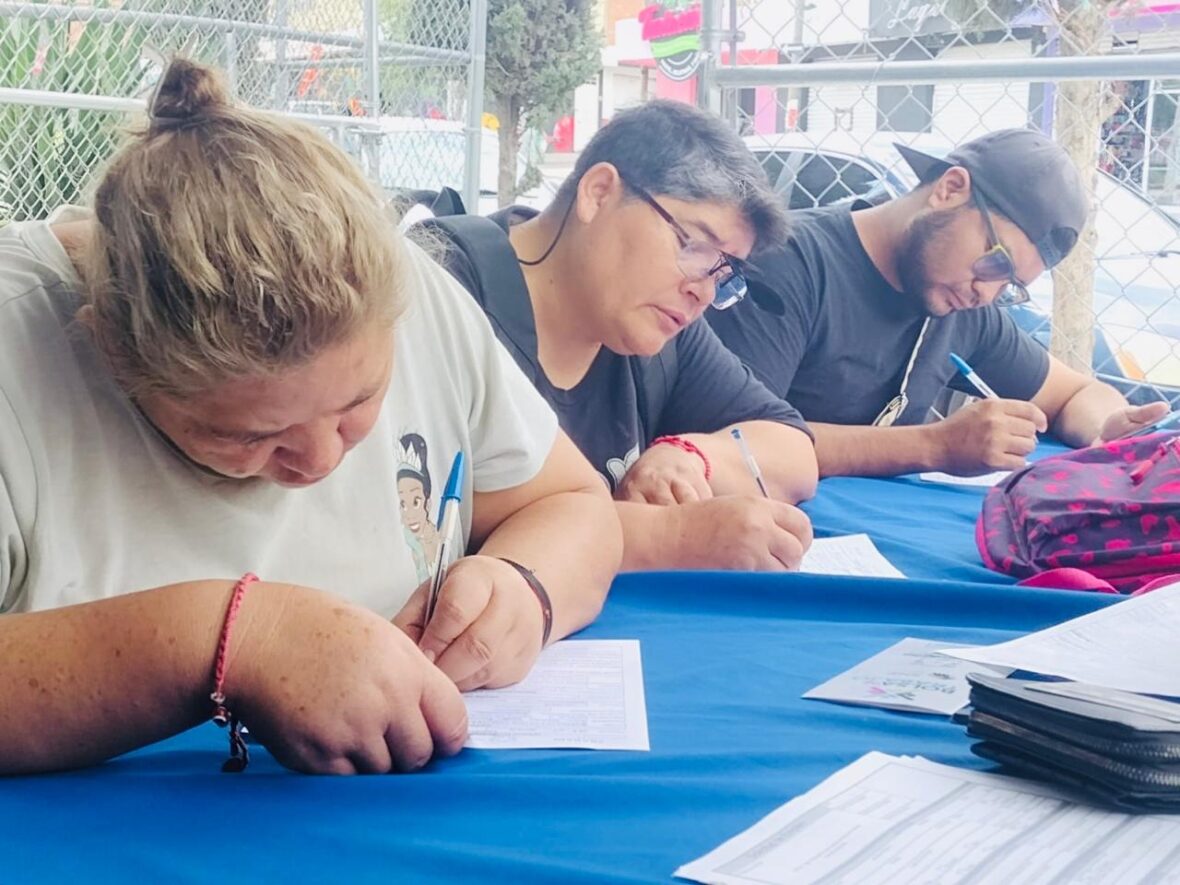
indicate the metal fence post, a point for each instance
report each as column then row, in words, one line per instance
column 282, row 77
column 372, row 38
column 231, row 60
column 708, row 95
column 477, row 46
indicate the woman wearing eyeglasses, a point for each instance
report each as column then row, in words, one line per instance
column 599, row 299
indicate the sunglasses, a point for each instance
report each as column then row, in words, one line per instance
column 698, row 260
column 996, row 263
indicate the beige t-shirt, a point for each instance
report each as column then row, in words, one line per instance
column 94, row 503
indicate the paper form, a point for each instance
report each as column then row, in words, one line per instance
column 897, row 821
column 1130, row 645
column 848, row 555
column 986, row 480
column 585, row 694
column 911, row 675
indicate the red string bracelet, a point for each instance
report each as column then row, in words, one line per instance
column 685, row 446
column 239, row 754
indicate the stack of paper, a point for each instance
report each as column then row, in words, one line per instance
column 891, row 819
column 912, row 675
column 1131, row 645
column 848, row 555
column 585, row 694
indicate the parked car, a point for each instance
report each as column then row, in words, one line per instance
column 1137, row 311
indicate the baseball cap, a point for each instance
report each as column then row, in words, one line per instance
column 1024, row 176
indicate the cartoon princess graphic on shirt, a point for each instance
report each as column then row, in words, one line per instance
column 413, row 492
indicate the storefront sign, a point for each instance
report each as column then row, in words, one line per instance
column 673, row 29
column 908, row 18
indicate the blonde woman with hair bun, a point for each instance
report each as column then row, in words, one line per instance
column 222, row 368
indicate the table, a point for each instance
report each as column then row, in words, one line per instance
column 726, row 657
column 925, row 529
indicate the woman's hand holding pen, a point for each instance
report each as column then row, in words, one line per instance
column 738, row 532
column 487, row 624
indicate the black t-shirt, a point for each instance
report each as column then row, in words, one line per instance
column 706, row 388
column 840, row 351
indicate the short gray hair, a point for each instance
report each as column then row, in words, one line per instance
column 672, row 148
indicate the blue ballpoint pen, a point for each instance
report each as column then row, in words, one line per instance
column 448, row 515
column 969, row 373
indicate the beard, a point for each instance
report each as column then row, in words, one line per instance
column 925, row 237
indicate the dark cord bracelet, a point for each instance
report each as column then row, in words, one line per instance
column 542, row 597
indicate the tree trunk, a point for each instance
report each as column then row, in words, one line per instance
column 509, row 148
column 1078, row 114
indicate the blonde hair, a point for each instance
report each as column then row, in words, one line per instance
column 232, row 243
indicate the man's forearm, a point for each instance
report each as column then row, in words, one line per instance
column 1080, row 420
column 874, row 451
column 785, row 455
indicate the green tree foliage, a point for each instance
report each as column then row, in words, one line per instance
column 539, row 51
column 50, row 156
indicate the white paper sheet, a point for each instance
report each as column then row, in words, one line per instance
column 911, row 675
column 893, row 820
column 1131, row 645
column 848, row 555
column 986, row 480
column 584, row 694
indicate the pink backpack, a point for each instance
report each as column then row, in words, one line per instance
column 1107, row 517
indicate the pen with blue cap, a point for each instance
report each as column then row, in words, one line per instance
column 448, row 516
column 969, row 373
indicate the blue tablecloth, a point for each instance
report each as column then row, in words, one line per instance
column 725, row 660
column 927, row 530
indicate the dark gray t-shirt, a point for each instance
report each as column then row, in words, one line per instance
column 840, row 351
column 624, row 402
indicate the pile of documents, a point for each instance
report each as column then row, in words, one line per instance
column 1129, row 646
column 1099, row 732
column 903, row 819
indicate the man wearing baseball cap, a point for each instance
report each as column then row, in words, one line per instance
column 875, row 299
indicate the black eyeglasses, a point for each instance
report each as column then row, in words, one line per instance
column 699, row 260
column 996, row 263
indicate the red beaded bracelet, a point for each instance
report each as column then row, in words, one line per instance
column 686, row 446
column 239, row 754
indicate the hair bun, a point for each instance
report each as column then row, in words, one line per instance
column 187, row 93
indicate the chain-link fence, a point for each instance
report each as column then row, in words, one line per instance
column 847, row 78
column 397, row 83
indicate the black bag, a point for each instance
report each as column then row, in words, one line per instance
column 445, row 201
column 1121, row 748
